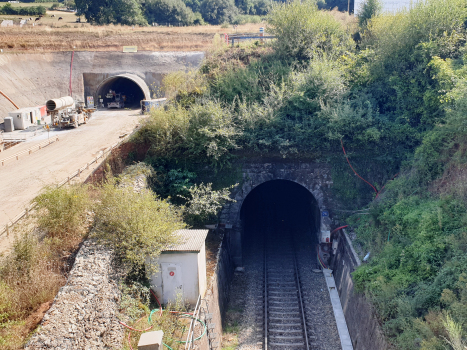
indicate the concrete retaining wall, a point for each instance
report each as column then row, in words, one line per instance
column 362, row 323
column 31, row 79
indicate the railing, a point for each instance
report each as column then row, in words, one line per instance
column 191, row 331
column 78, row 172
column 27, row 151
column 246, row 36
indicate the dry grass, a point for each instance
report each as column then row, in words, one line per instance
column 42, row 256
column 49, row 35
column 84, row 37
column 348, row 21
column 30, row 278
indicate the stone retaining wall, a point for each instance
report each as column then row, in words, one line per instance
column 362, row 323
column 214, row 304
column 84, row 312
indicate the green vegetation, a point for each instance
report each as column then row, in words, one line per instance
column 182, row 12
column 7, row 9
column 395, row 99
column 136, row 225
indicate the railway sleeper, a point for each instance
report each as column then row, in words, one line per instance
column 286, row 337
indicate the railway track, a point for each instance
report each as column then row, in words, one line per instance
column 286, row 323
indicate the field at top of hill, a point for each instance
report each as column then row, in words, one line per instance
column 84, row 37
column 49, row 34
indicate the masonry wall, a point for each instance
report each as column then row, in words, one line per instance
column 214, row 305
column 315, row 177
column 362, row 323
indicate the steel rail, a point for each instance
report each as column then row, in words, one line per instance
column 298, row 295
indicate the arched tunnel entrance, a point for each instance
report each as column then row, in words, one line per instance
column 280, row 207
column 132, row 88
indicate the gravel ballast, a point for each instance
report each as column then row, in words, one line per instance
column 84, row 312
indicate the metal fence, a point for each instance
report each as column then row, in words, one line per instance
column 30, row 207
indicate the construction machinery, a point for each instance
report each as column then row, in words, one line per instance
column 65, row 112
column 118, row 101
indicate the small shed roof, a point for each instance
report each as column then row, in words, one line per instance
column 191, row 241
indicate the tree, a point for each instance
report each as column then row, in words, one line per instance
column 369, row 9
column 168, row 11
column 111, row 11
column 218, row 11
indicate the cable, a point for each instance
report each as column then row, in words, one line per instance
column 9, row 99
column 337, row 229
column 373, row 187
column 385, row 185
column 183, row 314
column 319, row 259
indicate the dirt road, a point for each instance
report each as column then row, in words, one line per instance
column 22, row 180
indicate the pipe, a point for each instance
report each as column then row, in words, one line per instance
column 59, row 103
column 337, row 229
column 347, row 158
column 9, row 99
column 71, row 70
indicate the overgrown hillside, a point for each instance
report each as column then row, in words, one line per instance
column 392, row 96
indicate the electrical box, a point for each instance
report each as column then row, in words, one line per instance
column 182, row 269
column 9, row 126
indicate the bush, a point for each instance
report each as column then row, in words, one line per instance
column 244, row 19
column 63, row 211
column 204, row 203
column 316, row 33
column 137, row 226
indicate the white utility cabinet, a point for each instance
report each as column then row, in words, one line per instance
column 182, row 269
column 25, row 117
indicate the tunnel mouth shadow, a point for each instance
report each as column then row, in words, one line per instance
column 132, row 90
column 280, row 207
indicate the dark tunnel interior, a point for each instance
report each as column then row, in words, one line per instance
column 280, row 206
column 126, row 87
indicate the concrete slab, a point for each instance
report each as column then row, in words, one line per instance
column 344, row 335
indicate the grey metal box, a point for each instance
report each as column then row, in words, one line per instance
column 9, row 126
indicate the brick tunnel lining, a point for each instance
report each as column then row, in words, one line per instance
column 133, row 92
column 280, row 204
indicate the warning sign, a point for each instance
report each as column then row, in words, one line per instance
column 171, row 273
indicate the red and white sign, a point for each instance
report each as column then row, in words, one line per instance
column 171, row 273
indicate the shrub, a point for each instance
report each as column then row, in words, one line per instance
column 316, row 32
column 62, row 211
column 135, row 225
column 244, row 19
column 204, row 203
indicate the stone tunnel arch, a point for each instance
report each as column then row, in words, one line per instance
column 133, row 87
column 312, row 176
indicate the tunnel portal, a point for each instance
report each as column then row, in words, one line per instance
column 280, row 206
column 132, row 87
